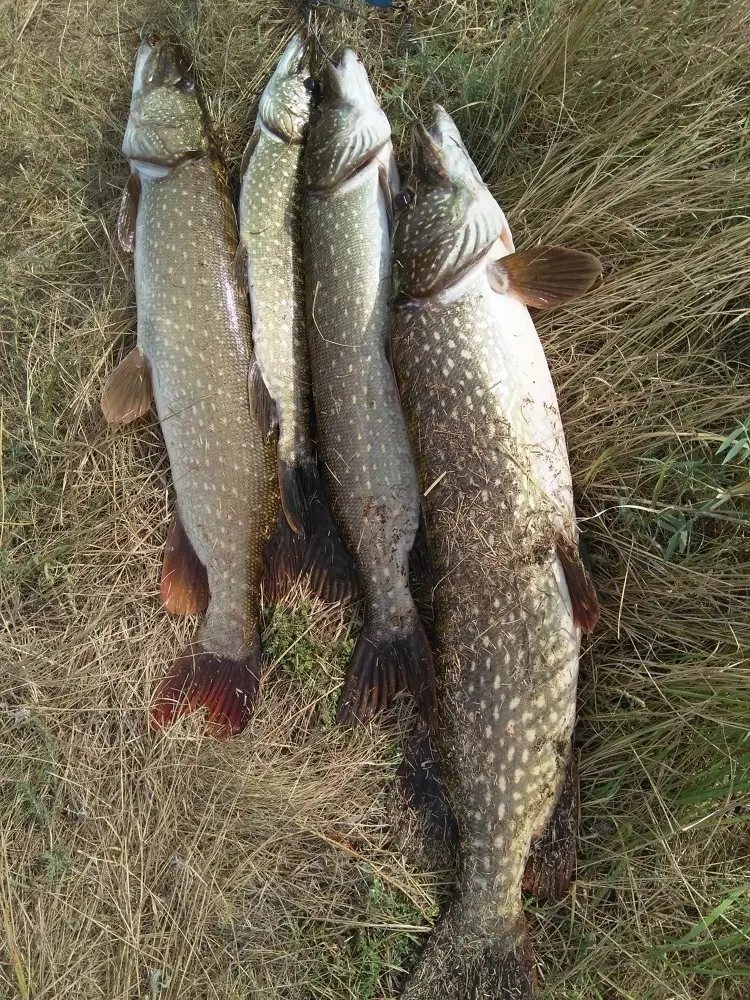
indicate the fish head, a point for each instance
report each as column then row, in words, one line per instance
column 447, row 219
column 285, row 102
column 349, row 128
column 166, row 124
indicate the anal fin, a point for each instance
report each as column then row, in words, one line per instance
column 544, row 276
column 262, row 404
column 127, row 391
column 551, row 865
column 184, row 581
column 582, row 593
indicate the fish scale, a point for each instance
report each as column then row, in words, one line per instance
column 485, row 428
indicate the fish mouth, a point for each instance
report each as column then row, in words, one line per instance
column 438, row 152
column 347, row 79
column 160, row 61
column 295, row 58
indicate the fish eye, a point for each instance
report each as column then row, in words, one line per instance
column 403, row 198
column 312, row 86
column 186, row 85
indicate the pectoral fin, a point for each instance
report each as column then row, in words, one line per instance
column 184, row 581
column 127, row 392
column 131, row 194
column 545, row 276
column 581, row 589
column 262, row 404
column 389, row 181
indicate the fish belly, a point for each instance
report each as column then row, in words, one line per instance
column 370, row 475
column 507, row 645
column 194, row 330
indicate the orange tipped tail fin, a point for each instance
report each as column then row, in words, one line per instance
column 226, row 687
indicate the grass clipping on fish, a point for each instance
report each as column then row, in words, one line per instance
column 135, row 865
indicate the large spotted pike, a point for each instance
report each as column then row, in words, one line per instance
column 511, row 594
column 280, row 393
column 193, row 355
column 350, row 178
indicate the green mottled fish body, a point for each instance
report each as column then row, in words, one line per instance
column 369, row 470
column 194, row 330
column 193, row 353
column 497, row 495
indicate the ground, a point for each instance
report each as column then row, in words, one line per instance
column 277, row 865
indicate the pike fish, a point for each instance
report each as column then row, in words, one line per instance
column 193, row 357
column 270, row 261
column 512, row 595
column 350, row 179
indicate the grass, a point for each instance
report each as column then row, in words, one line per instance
column 278, row 866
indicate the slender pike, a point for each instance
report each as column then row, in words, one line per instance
column 193, row 355
column 512, row 595
column 370, row 477
column 280, row 394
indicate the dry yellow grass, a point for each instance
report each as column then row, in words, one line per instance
column 276, row 866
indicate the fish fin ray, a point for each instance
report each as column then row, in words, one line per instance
column 328, row 564
column 127, row 392
column 383, row 665
column 421, row 786
column 262, row 403
column 128, row 213
column 297, row 485
column 226, row 687
column 422, row 576
column 184, row 581
column 466, row 965
column 551, row 865
column 545, row 276
column 239, row 266
column 283, row 557
column 582, row 592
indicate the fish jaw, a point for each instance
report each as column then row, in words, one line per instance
column 166, row 124
column 350, row 130
column 285, row 102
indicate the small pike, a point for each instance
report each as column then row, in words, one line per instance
column 193, row 355
column 270, row 260
column 351, row 178
column 512, row 595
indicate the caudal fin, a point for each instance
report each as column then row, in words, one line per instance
column 384, row 664
column 226, row 687
column 459, row 963
column 320, row 557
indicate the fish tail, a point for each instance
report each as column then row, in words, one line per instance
column 226, row 686
column 461, row 964
column 320, row 557
column 385, row 662
column 331, row 569
column 298, row 483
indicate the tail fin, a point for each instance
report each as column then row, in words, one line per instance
column 227, row 687
column 384, row 664
column 320, row 557
column 459, row 964
column 298, row 485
